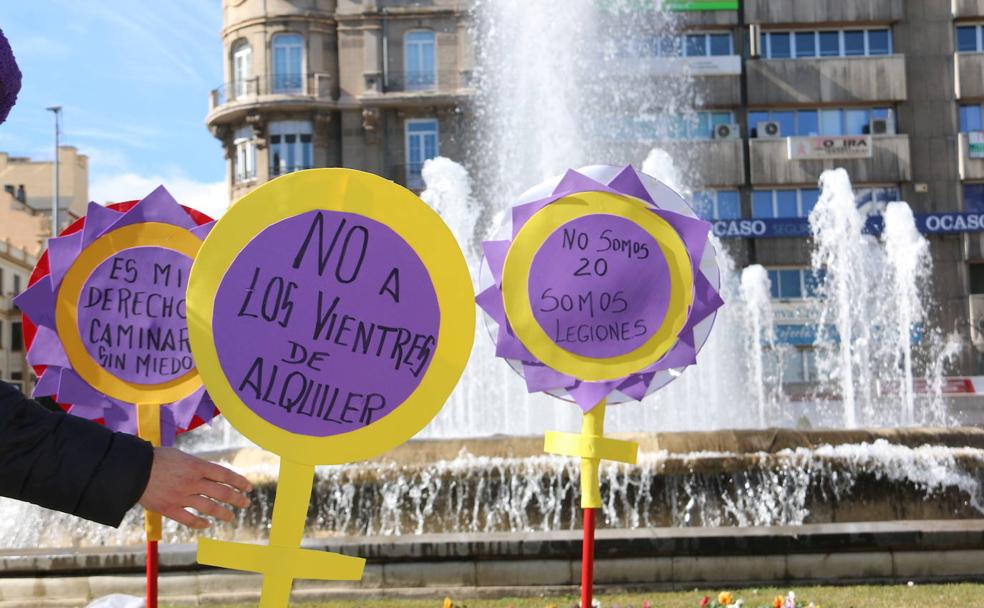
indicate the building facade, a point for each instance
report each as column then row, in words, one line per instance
column 31, row 182
column 891, row 90
column 16, row 264
column 321, row 83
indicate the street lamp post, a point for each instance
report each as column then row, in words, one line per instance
column 56, row 110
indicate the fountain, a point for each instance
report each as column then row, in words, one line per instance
column 555, row 89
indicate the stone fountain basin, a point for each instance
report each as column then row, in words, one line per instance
column 772, row 477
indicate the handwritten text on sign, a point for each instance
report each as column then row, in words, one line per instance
column 325, row 323
column 132, row 316
column 599, row 286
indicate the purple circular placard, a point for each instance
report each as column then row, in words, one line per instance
column 132, row 316
column 599, row 286
column 325, row 322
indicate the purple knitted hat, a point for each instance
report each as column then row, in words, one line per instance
column 10, row 78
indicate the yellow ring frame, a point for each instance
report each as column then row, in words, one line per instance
column 372, row 197
column 516, row 277
column 147, row 234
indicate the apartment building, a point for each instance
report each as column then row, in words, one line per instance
column 891, row 90
column 31, row 183
column 16, row 264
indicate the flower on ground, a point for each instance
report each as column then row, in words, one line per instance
column 448, row 603
column 777, row 603
column 704, row 602
column 725, row 598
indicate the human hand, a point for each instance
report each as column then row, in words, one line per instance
column 179, row 480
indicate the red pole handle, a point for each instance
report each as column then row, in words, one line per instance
column 587, row 558
column 152, row 574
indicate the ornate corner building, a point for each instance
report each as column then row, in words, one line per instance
column 369, row 84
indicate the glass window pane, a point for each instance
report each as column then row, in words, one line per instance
column 670, row 46
column 967, row 38
column 806, row 122
column 753, row 119
column 878, row 42
column 786, row 123
column 830, row 122
column 762, row 204
column 774, row 283
column 829, row 44
column 974, row 198
column 976, row 278
column 806, row 44
column 857, row 122
column 720, row 44
column 729, row 206
column 854, row 43
column 722, row 118
column 813, row 280
column 808, row 200
column 789, row 284
column 786, row 203
column 704, row 204
column 792, row 366
column 779, row 45
column 696, row 45
column 970, row 118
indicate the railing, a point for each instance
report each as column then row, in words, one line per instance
column 18, row 253
column 316, row 85
column 408, row 174
column 284, row 168
column 425, row 81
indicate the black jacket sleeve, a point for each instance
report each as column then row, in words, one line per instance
column 67, row 463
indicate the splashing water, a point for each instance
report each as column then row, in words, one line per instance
column 759, row 332
column 908, row 267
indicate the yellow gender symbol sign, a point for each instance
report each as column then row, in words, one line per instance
column 147, row 397
column 590, row 445
column 289, row 359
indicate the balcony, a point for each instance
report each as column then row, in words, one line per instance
column 970, row 167
column 301, row 91
column 824, row 11
column 406, row 88
column 826, row 80
column 407, row 175
column 710, row 162
column 889, row 163
column 968, row 8
column 716, row 78
column 970, row 75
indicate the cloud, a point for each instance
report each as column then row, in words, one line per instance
column 211, row 198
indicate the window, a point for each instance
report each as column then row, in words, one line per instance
column 244, row 161
column 830, row 43
column 422, row 144
column 717, row 204
column 288, row 63
column 795, row 283
column 692, row 45
column 976, row 272
column 242, row 68
column 806, row 44
column 419, row 60
column 970, row 118
column 873, row 199
column 973, row 195
column 834, row 121
column 290, row 146
column 969, row 39
column 784, row 203
column 16, row 337
column 798, row 364
column 17, row 284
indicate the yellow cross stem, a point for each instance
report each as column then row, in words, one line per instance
column 283, row 560
column 592, row 447
column 149, row 428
